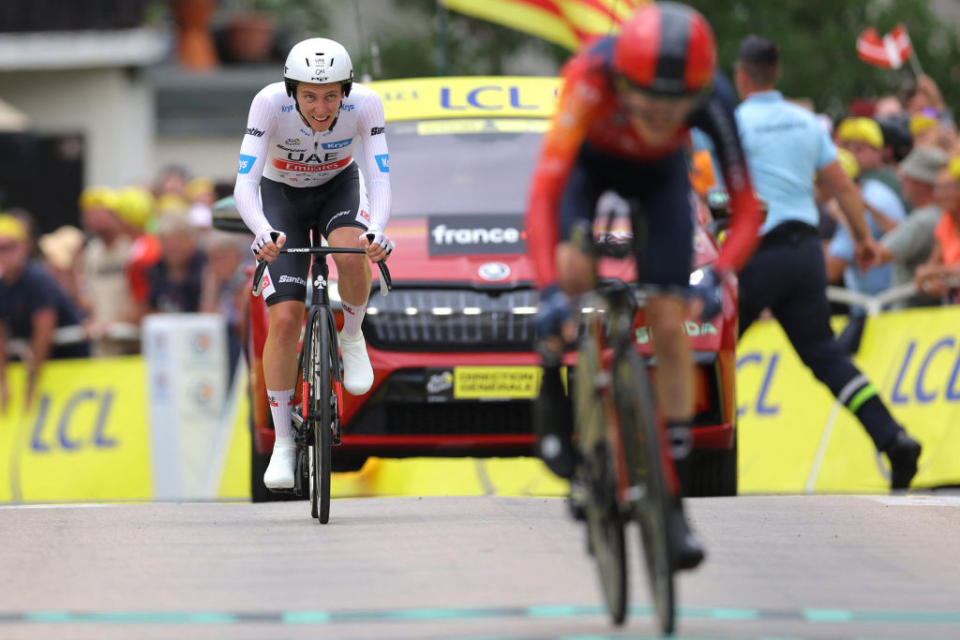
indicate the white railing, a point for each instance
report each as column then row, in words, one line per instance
column 873, row 304
column 75, row 333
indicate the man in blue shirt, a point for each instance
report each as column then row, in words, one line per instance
column 786, row 148
column 32, row 307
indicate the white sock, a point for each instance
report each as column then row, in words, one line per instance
column 281, row 404
column 353, row 317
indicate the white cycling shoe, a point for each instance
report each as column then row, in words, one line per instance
column 279, row 473
column 357, row 371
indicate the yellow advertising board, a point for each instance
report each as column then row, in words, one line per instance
column 85, row 437
column 795, row 438
column 468, row 97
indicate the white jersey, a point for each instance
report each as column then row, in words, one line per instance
column 280, row 146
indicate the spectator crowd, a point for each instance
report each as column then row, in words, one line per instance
column 84, row 291
column 904, row 153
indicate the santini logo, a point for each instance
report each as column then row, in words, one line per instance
column 444, row 235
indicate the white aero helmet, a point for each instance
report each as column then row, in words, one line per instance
column 319, row 61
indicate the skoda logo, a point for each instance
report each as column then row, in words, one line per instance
column 493, row 271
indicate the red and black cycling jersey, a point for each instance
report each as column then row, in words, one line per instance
column 589, row 111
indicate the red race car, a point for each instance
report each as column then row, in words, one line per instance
column 451, row 345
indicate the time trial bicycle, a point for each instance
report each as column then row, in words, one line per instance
column 624, row 462
column 316, row 422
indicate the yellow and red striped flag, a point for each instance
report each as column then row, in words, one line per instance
column 568, row 23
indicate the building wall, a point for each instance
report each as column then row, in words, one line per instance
column 111, row 107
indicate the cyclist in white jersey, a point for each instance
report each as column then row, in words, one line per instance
column 298, row 169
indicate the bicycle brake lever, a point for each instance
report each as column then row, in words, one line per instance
column 258, row 277
column 385, row 281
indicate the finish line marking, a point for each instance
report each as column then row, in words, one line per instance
column 814, row 616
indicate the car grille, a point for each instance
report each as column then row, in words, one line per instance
column 475, row 418
column 452, row 319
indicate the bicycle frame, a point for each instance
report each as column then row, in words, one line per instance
column 613, row 339
column 621, row 441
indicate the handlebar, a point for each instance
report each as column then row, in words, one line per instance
column 611, row 288
column 386, row 282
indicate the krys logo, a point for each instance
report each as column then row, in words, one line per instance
column 246, row 163
column 475, row 234
column 339, row 144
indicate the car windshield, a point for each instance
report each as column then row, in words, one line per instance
column 462, row 166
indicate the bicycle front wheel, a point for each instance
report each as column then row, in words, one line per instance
column 604, row 520
column 641, row 436
column 321, row 394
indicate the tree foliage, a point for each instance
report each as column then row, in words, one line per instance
column 817, row 41
column 442, row 42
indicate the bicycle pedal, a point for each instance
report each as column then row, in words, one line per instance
column 297, row 420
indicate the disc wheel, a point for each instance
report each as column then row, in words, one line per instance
column 320, row 403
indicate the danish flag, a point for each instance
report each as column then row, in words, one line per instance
column 889, row 52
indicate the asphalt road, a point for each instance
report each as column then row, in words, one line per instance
column 778, row 567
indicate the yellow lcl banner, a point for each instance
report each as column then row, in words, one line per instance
column 86, row 436
column 794, row 437
column 472, row 97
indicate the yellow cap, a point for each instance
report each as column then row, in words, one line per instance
column 197, row 186
column 93, row 197
column 11, row 228
column 170, row 203
column 860, row 130
column 921, row 123
column 848, row 163
column 954, row 168
column 135, row 206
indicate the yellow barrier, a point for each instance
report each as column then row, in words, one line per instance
column 85, row 437
column 793, row 436
column 449, row 476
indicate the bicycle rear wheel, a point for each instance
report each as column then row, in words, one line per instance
column 604, row 520
column 321, row 392
column 642, row 445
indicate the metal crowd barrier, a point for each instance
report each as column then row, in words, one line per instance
column 75, row 333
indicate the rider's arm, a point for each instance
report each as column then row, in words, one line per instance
column 716, row 119
column 375, row 160
column 568, row 128
column 253, row 157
